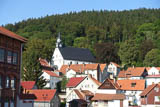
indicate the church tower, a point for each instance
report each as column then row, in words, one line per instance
column 59, row 43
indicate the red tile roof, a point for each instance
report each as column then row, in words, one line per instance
column 148, row 89
column 102, row 66
column 132, row 72
column 127, row 84
column 73, row 82
column 44, row 62
column 8, row 33
column 83, row 93
column 79, row 94
column 114, row 84
column 95, row 81
column 106, row 97
column 44, row 94
column 27, row 84
column 51, row 73
column 78, row 67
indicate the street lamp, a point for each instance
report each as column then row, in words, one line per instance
column 44, row 97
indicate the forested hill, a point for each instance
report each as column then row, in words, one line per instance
column 105, row 33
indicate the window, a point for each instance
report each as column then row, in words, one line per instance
column 156, row 98
column 7, row 82
column 1, row 55
column 13, row 83
column 156, row 89
column 9, row 57
column 15, row 58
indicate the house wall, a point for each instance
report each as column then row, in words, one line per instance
column 133, row 95
column 113, row 69
column 153, row 71
column 72, row 95
column 151, row 96
column 9, row 69
column 41, row 104
column 151, row 80
column 93, row 73
column 26, row 103
column 55, row 102
column 57, row 58
column 70, row 73
column 88, row 84
column 47, row 77
column 54, row 81
column 106, row 91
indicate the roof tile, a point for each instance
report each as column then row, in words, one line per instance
column 8, row 33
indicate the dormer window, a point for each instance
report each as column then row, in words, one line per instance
column 133, row 84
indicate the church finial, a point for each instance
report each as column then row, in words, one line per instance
column 58, row 43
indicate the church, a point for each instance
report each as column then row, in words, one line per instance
column 64, row 55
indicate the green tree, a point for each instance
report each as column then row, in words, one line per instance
column 80, row 42
column 64, row 83
column 129, row 52
column 106, row 53
column 35, row 49
column 152, row 58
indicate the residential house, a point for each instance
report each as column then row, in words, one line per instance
column 84, row 95
column 81, row 83
column 78, row 103
column 152, row 79
column 153, row 75
column 70, row 55
column 153, row 70
column 132, row 90
column 113, row 69
column 108, row 95
column 108, row 100
column 46, row 98
column 133, row 73
column 81, row 70
column 28, row 85
column 11, row 46
column 150, row 96
column 26, row 100
column 51, row 77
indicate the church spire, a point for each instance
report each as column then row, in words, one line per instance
column 58, row 43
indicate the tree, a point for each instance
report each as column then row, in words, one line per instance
column 129, row 52
column 35, row 49
column 106, row 52
column 80, row 42
column 63, row 83
column 32, row 68
column 145, row 47
column 152, row 58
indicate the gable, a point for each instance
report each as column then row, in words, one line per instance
column 107, row 84
column 153, row 71
column 57, row 54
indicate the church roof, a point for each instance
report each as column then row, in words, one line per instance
column 79, row 54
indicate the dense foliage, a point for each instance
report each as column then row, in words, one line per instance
column 125, row 37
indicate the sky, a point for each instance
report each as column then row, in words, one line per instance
column 12, row 11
